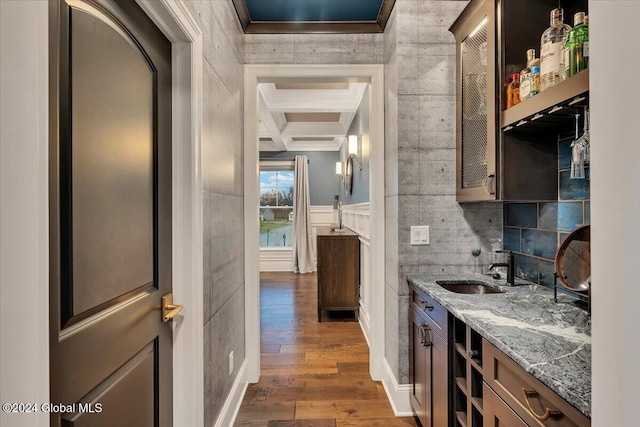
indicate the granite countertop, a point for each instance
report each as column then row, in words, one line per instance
column 551, row 341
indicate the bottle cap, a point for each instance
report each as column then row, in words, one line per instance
column 531, row 54
column 515, row 76
column 578, row 18
column 535, row 69
column 557, row 15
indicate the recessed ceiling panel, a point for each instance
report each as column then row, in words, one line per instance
column 312, row 117
column 311, row 138
column 314, row 85
column 313, row 16
column 313, row 10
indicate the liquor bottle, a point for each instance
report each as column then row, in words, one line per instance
column 576, row 46
column 513, row 91
column 525, row 81
column 551, row 47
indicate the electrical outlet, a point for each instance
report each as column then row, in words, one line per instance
column 420, row 235
column 231, row 363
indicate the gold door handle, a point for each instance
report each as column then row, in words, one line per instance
column 169, row 309
column 547, row 412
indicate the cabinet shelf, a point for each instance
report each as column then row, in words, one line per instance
column 477, row 364
column 547, row 109
column 461, row 416
column 477, row 402
column 460, row 349
column 461, row 382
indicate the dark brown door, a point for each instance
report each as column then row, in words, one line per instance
column 110, row 215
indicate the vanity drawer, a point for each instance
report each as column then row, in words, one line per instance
column 526, row 395
column 437, row 313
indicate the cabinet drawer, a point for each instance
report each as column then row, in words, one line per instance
column 436, row 313
column 526, row 395
column 496, row 412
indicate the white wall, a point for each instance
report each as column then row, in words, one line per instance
column 24, row 209
column 615, row 210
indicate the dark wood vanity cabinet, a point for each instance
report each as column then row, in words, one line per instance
column 428, row 360
column 338, row 271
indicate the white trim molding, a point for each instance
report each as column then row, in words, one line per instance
column 276, row 259
column 399, row 394
column 24, row 208
column 232, row 405
column 175, row 21
column 255, row 74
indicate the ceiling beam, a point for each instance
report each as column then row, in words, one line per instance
column 313, row 129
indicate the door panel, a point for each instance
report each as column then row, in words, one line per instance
column 112, row 163
column 110, row 214
column 132, row 382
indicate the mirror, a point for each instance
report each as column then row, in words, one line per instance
column 348, row 176
column 573, row 260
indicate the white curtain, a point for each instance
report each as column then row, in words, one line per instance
column 302, row 232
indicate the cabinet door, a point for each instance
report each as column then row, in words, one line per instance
column 475, row 102
column 496, row 412
column 419, row 368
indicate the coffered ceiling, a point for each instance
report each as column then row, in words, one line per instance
column 307, row 116
column 313, row 16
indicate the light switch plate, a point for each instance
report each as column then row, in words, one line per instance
column 420, row 235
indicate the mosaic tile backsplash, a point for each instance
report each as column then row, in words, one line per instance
column 534, row 230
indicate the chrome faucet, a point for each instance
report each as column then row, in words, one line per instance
column 510, row 267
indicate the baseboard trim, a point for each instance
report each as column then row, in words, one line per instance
column 363, row 319
column 234, row 400
column 399, row 394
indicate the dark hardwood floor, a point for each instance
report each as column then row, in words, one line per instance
column 312, row 374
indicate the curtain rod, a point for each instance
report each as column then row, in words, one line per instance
column 276, row 159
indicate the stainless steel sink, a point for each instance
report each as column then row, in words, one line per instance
column 468, row 287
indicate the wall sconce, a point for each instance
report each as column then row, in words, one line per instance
column 355, row 149
column 339, row 169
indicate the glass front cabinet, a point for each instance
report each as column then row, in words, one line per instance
column 476, row 110
column 501, row 151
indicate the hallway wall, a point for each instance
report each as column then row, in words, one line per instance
column 419, row 57
column 420, row 140
column 222, row 174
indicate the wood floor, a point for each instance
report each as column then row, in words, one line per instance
column 312, row 374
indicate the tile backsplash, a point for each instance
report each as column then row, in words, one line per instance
column 534, row 230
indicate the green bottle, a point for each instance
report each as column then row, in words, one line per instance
column 576, row 46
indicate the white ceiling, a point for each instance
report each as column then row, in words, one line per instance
column 307, row 116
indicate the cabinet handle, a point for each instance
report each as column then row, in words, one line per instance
column 422, row 335
column 486, row 184
column 427, row 306
column 547, row 412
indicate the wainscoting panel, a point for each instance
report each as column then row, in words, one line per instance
column 356, row 217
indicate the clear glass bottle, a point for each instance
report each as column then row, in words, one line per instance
column 551, row 51
column 576, row 54
column 525, row 81
column 535, row 80
column 513, row 91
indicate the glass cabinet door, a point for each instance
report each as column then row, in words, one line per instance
column 475, row 102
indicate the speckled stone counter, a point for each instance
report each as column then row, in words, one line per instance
column 551, row 341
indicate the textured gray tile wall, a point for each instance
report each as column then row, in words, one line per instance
column 313, row 49
column 222, row 171
column 419, row 54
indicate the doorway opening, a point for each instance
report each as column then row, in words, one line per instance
column 365, row 219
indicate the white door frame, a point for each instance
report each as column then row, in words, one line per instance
column 255, row 74
column 24, row 184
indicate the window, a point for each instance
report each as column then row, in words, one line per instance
column 276, row 205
